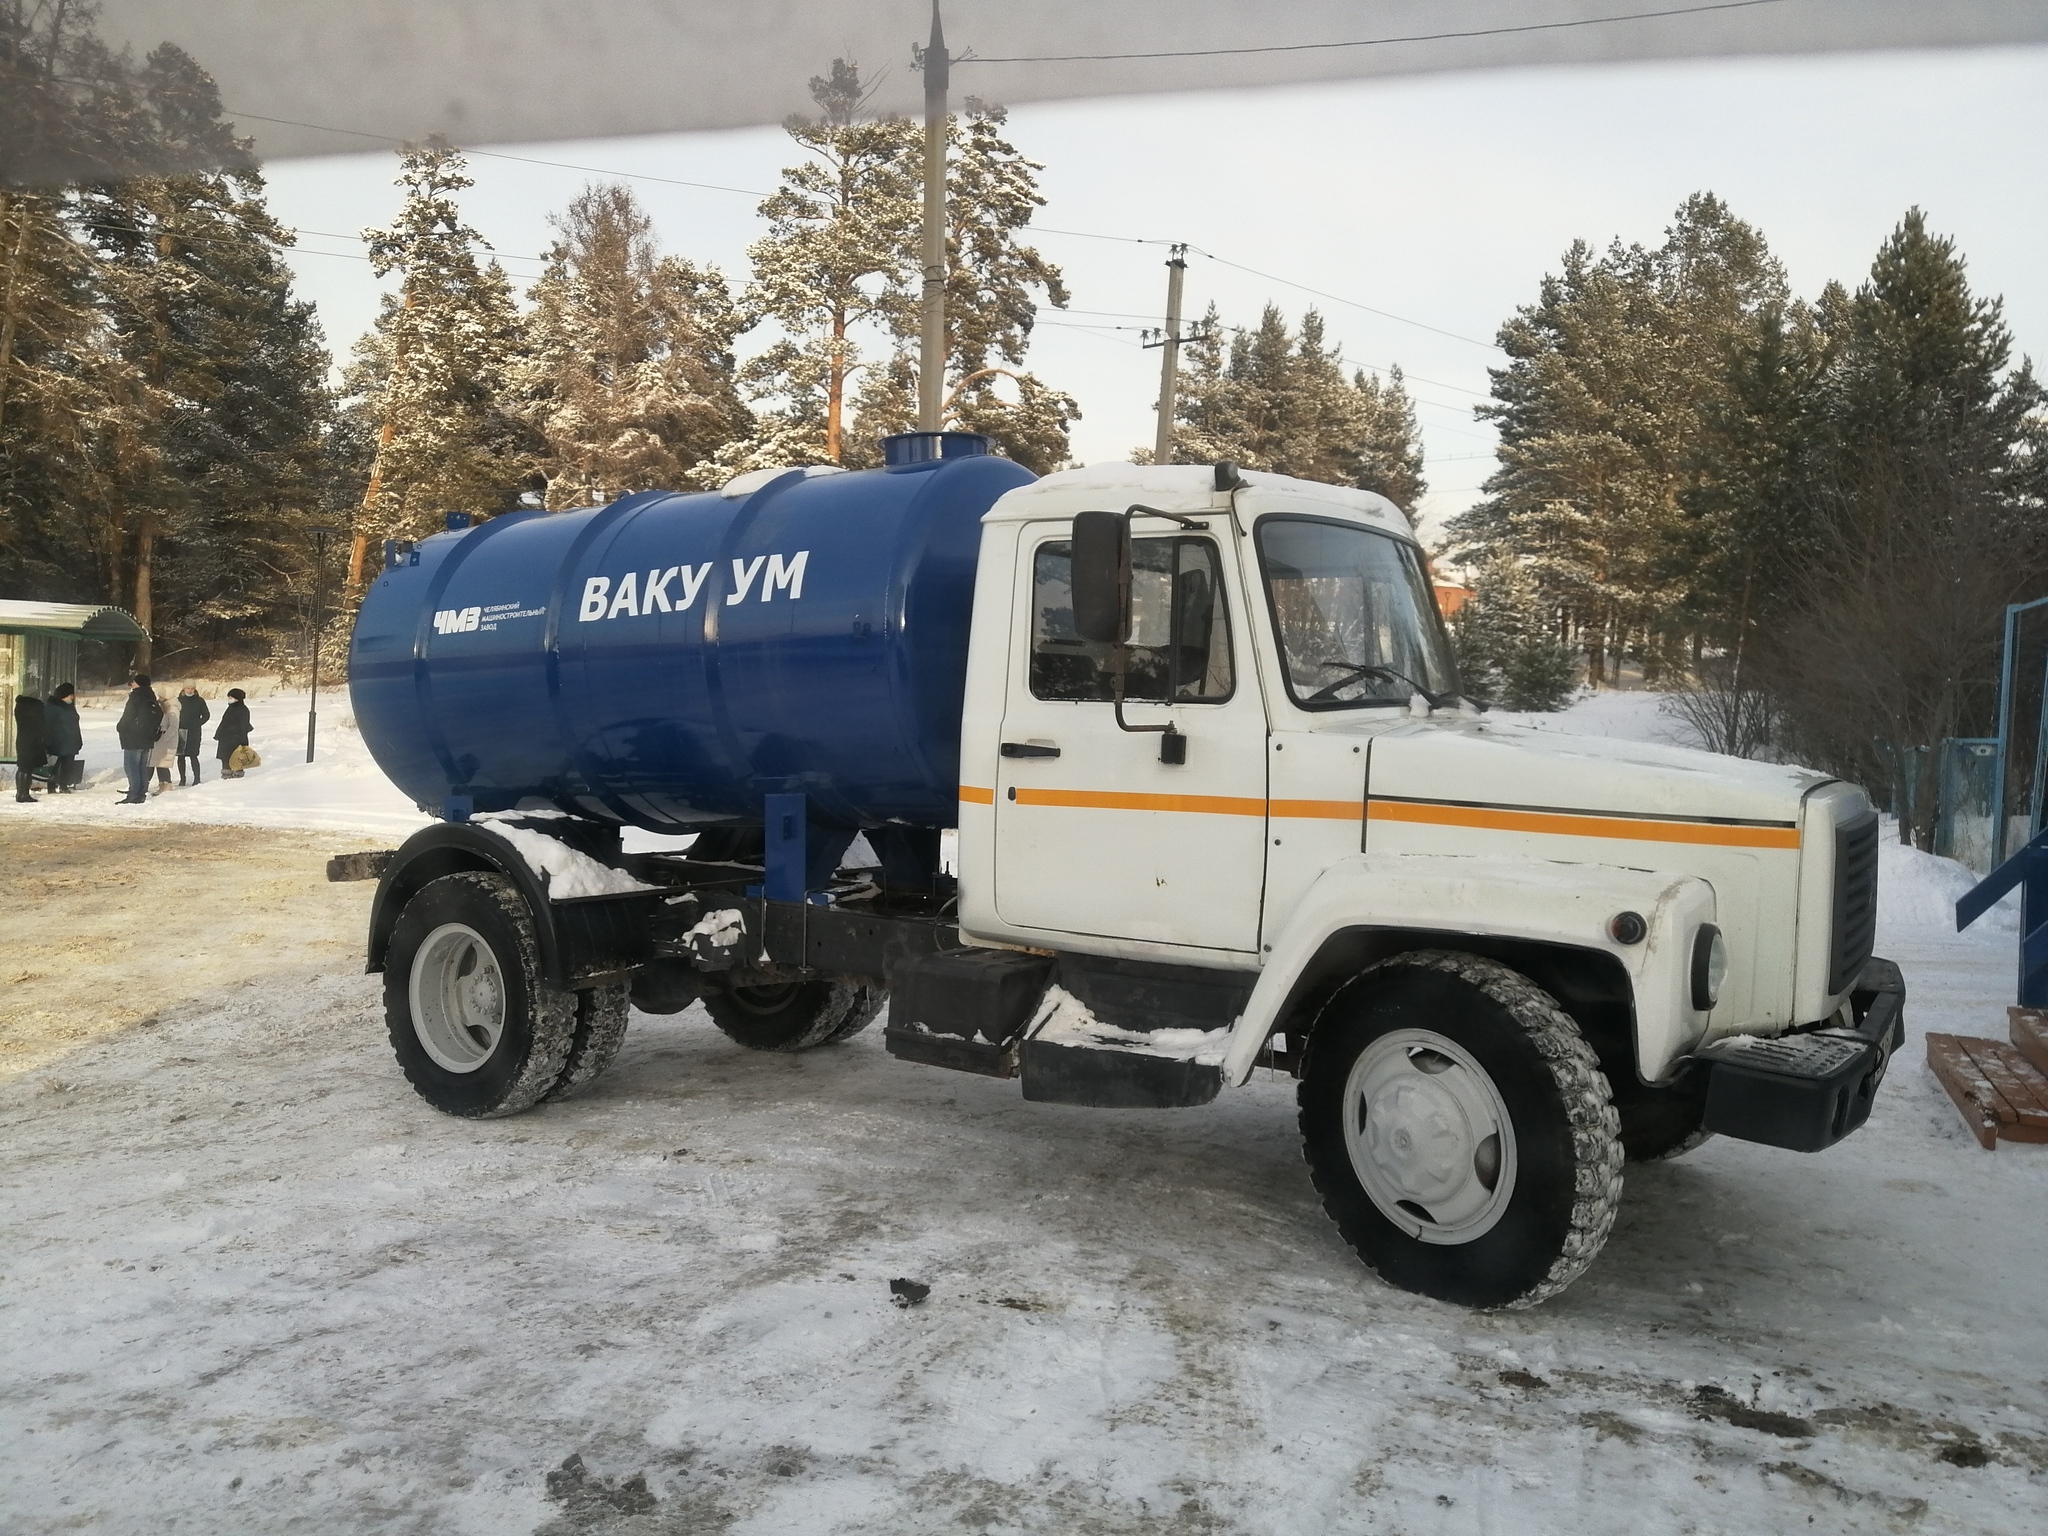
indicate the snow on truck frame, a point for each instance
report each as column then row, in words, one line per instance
column 1218, row 805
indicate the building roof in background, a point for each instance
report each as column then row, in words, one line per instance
column 93, row 621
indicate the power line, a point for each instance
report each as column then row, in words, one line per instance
column 1370, row 42
column 1383, row 369
column 1288, row 282
column 1338, row 298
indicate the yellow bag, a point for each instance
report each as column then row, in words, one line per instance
column 243, row 757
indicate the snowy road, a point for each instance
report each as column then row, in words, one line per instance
column 252, row 1284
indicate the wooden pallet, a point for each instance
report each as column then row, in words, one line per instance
column 2029, row 1029
column 2001, row 1089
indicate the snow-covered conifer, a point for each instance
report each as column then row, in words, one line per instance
column 627, row 376
column 435, row 374
column 1505, row 638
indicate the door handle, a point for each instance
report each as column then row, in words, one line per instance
column 1028, row 749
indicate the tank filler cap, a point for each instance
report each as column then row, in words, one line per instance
column 909, row 450
column 754, row 479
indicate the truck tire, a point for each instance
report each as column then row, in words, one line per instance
column 1460, row 1131
column 476, row 1029
column 796, row 1015
column 601, row 1014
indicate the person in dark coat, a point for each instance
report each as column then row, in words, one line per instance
column 141, row 721
column 60, row 720
column 232, row 732
column 31, row 744
column 193, row 713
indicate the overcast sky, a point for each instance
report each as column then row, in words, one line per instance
column 1440, row 200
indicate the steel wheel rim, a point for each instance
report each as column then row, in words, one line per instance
column 1429, row 1136
column 457, row 992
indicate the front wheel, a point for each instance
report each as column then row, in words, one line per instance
column 796, row 1015
column 1460, row 1131
column 476, row 1029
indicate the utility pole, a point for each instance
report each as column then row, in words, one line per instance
column 1169, row 360
column 320, row 538
column 931, row 360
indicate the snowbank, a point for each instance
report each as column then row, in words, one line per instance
column 1917, row 893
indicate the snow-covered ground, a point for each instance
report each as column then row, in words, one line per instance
column 341, row 790
column 251, row 1283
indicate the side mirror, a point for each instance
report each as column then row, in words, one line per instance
column 1101, row 577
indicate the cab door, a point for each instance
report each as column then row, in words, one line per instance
column 1095, row 835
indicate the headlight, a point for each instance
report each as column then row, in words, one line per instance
column 1709, row 966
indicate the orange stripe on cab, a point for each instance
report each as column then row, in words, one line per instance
column 1633, row 829
column 1319, row 810
column 970, row 795
column 1110, row 800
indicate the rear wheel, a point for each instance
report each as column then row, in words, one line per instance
column 1460, row 1131
column 796, row 1015
column 601, row 1014
column 475, row 1028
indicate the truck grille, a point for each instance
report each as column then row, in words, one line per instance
column 1855, row 907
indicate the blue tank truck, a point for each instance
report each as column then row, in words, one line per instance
column 1215, row 803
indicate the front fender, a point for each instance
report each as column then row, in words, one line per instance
column 1565, row 905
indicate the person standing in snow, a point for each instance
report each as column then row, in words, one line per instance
column 60, row 721
column 165, row 749
column 31, row 744
column 142, row 719
column 193, row 714
column 232, row 732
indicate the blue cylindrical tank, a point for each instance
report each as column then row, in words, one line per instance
column 668, row 660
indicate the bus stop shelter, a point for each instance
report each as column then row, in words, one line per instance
column 39, row 649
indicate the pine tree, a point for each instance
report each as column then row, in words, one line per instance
column 1919, row 504
column 54, row 385
column 1506, row 643
column 1389, row 440
column 210, row 452
column 1282, row 401
column 1600, row 413
column 435, row 374
column 628, row 375
column 841, row 266
column 994, row 285
column 836, row 259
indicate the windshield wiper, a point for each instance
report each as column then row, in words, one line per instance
column 1355, row 670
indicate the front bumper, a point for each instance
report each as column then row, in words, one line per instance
column 1808, row 1089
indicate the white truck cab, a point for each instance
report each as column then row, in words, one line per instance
column 1332, row 820
column 1222, row 806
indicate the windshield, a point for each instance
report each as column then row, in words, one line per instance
column 1355, row 616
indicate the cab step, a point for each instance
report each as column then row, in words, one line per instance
column 1072, row 1057
column 1116, row 1075
column 996, row 1012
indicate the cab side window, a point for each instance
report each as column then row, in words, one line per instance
column 1180, row 628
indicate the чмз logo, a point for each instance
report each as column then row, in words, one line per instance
column 457, row 621
column 637, row 598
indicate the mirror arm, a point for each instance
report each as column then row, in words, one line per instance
column 1173, row 746
column 1135, row 511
